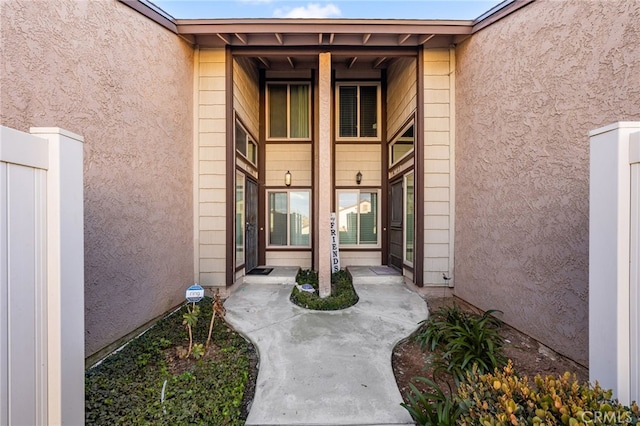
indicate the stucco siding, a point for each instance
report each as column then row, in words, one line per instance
column 439, row 119
column 529, row 89
column 128, row 93
column 212, row 170
column 401, row 93
column 246, row 94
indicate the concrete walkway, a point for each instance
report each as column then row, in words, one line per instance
column 326, row 368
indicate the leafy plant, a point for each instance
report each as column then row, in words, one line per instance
column 126, row 387
column 504, row 398
column 462, row 340
column 217, row 308
column 434, row 408
column 342, row 295
column 190, row 319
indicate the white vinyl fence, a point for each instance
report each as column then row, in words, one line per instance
column 614, row 259
column 41, row 277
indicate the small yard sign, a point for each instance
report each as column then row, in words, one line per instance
column 335, row 251
column 195, row 293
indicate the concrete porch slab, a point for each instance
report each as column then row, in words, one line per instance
column 367, row 275
column 279, row 275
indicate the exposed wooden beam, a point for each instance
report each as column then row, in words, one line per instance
column 265, row 62
column 241, row 37
column 352, row 61
column 320, row 38
column 279, row 38
column 403, row 37
column 290, row 59
column 365, row 38
column 331, row 36
column 425, row 38
column 379, row 61
column 224, row 38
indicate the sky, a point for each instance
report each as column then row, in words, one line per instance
column 352, row 9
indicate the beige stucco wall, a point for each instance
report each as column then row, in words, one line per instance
column 103, row 71
column 529, row 89
column 211, row 221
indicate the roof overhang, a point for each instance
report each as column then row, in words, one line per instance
column 321, row 32
column 294, row 41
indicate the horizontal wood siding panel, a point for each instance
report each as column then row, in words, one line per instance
column 437, row 165
column 212, row 138
column 246, row 93
column 354, row 258
column 365, row 158
column 288, row 258
column 401, row 93
column 292, row 157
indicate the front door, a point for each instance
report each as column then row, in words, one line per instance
column 251, row 235
column 395, row 225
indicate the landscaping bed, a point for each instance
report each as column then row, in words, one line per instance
column 559, row 395
column 342, row 295
column 149, row 381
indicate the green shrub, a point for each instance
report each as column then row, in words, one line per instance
column 433, row 408
column 342, row 295
column 126, row 388
column 503, row 398
column 462, row 340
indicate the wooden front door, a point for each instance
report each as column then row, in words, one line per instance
column 395, row 225
column 251, row 235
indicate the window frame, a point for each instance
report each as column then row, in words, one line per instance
column 248, row 140
column 358, row 244
column 405, row 180
column 407, row 154
column 267, row 230
column 240, row 182
column 288, row 108
column 359, row 84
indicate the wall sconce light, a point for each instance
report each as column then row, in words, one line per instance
column 358, row 178
column 287, row 178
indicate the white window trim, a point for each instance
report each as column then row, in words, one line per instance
column 378, row 218
column 393, row 142
column 248, row 140
column 267, row 121
column 359, row 84
column 404, row 219
column 267, row 227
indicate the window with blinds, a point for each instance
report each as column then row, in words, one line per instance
column 288, row 111
column 358, row 111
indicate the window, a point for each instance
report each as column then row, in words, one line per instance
column 358, row 218
column 403, row 145
column 239, row 219
column 289, row 218
column 245, row 144
column 358, row 111
column 409, row 221
column 288, row 111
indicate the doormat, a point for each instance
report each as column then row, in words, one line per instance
column 260, row 271
column 384, row 270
